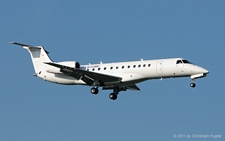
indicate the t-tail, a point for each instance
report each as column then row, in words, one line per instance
column 38, row 56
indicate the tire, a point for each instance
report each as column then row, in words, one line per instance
column 192, row 85
column 94, row 90
column 113, row 96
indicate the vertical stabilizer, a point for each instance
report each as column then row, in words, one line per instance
column 38, row 56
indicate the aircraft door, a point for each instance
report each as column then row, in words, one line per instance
column 159, row 69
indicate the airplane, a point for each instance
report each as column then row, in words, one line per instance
column 120, row 76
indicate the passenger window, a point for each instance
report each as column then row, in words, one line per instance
column 144, row 65
column 111, row 68
column 122, row 67
column 134, row 66
column 117, row 67
column 99, row 69
column 104, row 68
column 93, row 69
column 87, row 69
column 149, row 65
column 128, row 67
column 139, row 66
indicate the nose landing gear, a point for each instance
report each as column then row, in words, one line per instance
column 192, row 85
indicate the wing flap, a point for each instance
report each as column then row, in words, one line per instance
column 71, row 73
column 133, row 87
column 123, row 88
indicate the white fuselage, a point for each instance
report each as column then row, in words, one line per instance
column 115, row 76
column 131, row 72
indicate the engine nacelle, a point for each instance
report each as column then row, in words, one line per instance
column 56, row 70
column 72, row 64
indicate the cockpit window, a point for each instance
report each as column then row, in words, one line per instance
column 186, row 62
column 179, row 62
column 183, row 61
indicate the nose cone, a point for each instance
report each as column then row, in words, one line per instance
column 198, row 69
column 203, row 70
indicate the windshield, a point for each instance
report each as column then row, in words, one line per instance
column 186, row 62
column 179, row 62
column 183, row 62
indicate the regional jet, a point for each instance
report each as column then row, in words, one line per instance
column 117, row 77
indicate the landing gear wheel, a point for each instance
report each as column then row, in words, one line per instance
column 94, row 90
column 113, row 96
column 192, row 85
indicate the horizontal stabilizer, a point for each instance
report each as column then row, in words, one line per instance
column 24, row 45
column 29, row 46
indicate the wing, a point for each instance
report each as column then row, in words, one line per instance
column 133, row 87
column 88, row 77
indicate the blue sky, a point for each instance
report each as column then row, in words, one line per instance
column 112, row 31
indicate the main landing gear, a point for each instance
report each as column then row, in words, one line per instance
column 112, row 96
column 94, row 90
